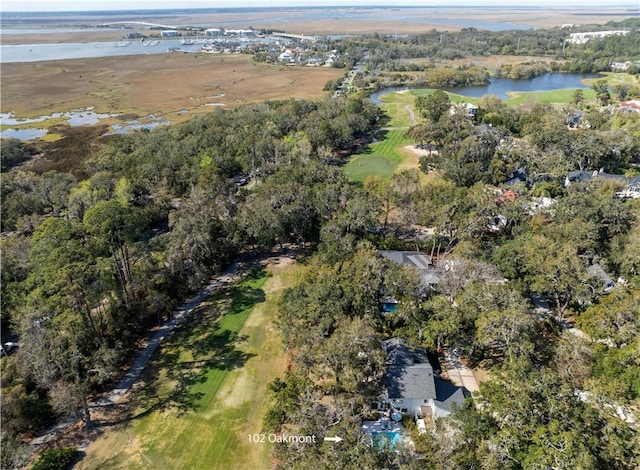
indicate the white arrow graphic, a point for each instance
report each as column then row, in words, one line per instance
column 333, row 439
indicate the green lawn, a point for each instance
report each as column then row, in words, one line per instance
column 455, row 98
column 395, row 107
column 381, row 158
column 205, row 389
column 562, row 96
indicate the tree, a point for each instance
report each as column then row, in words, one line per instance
column 577, row 97
column 573, row 358
column 355, row 358
column 381, row 188
column 601, row 87
column 111, row 226
column 503, row 321
column 541, row 421
column 433, row 106
column 467, row 162
column 615, row 318
column 15, row 152
column 65, row 341
column 444, row 322
column 201, row 238
column 547, row 267
column 622, row 91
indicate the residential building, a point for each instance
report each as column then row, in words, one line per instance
column 413, row 388
column 581, row 176
column 632, row 190
column 581, row 38
column 596, row 271
column 417, row 260
column 468, row 109
column 631, row 105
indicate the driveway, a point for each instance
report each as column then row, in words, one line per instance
column 458, row 373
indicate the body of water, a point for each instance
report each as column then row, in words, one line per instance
column 61, row 30
column 79, row 117
column 84, row 50
column 31, row 24
column 547, row 82
column 501, row 86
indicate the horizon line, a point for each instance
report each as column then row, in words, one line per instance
column 515, row 4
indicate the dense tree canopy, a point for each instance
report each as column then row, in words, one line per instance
column 89, row 266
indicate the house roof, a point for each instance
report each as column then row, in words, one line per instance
column 409, row 373
column 415, row 259
column 595, row 270
column 410, row 376
column 447, row 394
column 580, row 176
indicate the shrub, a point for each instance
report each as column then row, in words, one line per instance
column 54, row 459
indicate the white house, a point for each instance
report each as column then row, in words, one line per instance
column 411, row 386
column 286, row 56
column 468, row 109
column 581, row 38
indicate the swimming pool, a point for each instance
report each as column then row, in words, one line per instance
column 386, row 439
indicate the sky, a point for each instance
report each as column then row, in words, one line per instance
column 86, row 5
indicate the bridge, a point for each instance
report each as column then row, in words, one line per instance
column 301, row 37
column 135, row 25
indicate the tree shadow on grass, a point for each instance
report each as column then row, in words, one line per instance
column 384, row 119
column 208, row 341
column 380, row 135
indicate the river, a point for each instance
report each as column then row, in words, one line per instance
column 82, row 50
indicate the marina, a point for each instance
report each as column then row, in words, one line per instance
column 82, row 50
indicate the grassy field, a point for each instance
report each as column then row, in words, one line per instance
column 164, row 84
column 399, row 109
column 205, row 390
column 381, row 158
column 391, row 153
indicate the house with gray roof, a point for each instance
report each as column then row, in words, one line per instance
column 417, row 260
column 597, row 272
column 412, row 387
column 580, row 176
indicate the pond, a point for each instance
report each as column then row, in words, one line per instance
column 76, row 117
column 501, row 86
column 549, row 81
column 23, row 134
